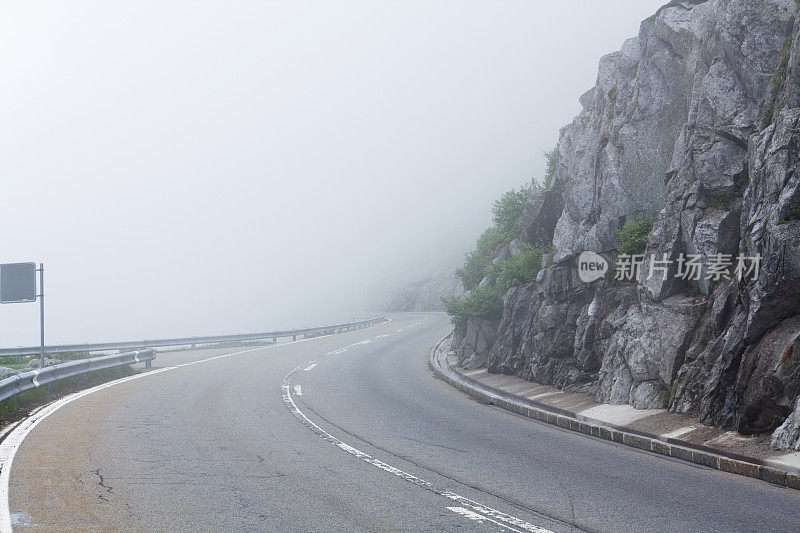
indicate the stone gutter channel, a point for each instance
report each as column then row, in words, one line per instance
column 785, row 472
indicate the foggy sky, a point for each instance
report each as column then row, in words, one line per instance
column 190, row 168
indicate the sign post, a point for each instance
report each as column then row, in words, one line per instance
column 18, row 285
column 41, row 314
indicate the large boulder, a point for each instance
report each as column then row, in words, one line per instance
column 787, row 436
column 472, row 349
column 34, row 363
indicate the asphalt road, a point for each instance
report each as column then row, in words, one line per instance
column 361, row 437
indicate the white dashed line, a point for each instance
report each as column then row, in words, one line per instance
column 498, row 517
column 309, row 367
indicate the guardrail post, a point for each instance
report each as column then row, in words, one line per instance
column 294, row 337
column 148, row 364
column 194, row 346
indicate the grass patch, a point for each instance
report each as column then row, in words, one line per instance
column 721, row 202
column 790, row 217
column 772, row 106
column 19, row 363
column 229, row 344
column 632, row 238
column 671, row 396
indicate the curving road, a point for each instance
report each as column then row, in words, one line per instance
column 350, row 432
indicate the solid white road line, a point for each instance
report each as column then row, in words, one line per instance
column 309, row 367
column 494, row 514
column 10, row 445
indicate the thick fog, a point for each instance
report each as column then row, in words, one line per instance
column 190, row 168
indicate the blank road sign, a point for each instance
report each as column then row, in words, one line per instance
column 17, row 282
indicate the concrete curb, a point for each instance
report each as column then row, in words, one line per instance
column 702, row 455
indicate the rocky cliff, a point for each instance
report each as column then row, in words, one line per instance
column 697, row 120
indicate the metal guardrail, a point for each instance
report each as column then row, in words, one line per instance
column 191, row 341
column 13, row 385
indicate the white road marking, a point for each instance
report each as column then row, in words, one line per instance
column 507, row 520
column 472, row 515
column 678, row 432
column 309, row 367
column 336, row 352
column 382, row 336
column 12, row 442
column 298, row 390
column 542, row 395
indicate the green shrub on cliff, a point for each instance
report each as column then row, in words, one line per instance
column 505, row 214
column 507, row 210
column 479, row 260
column 485, row 302
column 482, row 302
column 632, row 238
column 552, row 157
column 522, row 268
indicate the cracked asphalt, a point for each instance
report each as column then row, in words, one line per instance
column 213, row 447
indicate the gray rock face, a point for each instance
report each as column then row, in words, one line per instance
column 645, row 351
column 540, row 216
column 689, row 122
column 427, row 294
